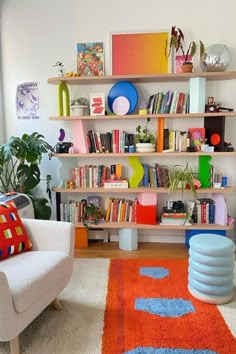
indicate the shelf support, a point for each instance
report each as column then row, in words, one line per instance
column 160, row 134
column 128, row 239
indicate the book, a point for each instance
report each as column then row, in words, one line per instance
column 116, row 183
column 90, row 59
column 150, row 104
column 95, row 200
column 174, row 102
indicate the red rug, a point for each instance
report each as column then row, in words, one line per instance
column 150, row 311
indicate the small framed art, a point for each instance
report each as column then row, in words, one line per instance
column 97, row 104
column 90, row 59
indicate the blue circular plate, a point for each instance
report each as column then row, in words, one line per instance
column 126, row 89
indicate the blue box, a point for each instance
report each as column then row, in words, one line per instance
column 190, row 233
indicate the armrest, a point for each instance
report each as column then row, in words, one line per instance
column 50, row 235
column 8, row 318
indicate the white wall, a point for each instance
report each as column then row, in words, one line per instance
column 35, row 34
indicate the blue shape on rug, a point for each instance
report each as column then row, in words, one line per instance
column 164, row 307
column 151, row 350
column 154, row 272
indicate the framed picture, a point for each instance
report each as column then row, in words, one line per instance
column 90, row 59
column 134, row 53
column 97, row 104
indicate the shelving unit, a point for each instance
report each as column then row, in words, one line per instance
column 159, row 78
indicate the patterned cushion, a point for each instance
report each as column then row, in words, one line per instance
column 13, row 237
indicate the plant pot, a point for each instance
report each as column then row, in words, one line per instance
column 145, row 147
column 187, row 67
column 79, row 110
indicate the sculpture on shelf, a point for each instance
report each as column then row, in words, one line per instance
column 138, row 174
column 63, row 99
column 61, row 68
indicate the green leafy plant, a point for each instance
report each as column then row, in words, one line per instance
column 144, row 134
column 19, row 169
column 182, row 177
column 176, row 42
column 80, row 101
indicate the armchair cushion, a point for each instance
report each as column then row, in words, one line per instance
column 13, row 236
column 31, row 283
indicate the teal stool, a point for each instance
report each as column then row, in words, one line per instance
column 211, row 268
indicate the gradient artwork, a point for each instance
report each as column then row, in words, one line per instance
column 140, row 53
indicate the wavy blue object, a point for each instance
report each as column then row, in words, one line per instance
column 151, row 350
column 164, row 307
column 154, row 272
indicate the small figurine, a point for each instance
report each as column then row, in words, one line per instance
column 228, row 147
column 61, row 68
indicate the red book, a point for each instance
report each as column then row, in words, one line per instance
column 180, row 103
column 203, row 213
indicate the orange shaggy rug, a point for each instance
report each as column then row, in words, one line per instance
column 150, row 311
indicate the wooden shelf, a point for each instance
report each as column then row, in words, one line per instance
column 111, row 79
column 144, row 154
column 138, row 116
column 140, row 190
column 129, row 225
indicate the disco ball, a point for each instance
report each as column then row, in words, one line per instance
column 216, row 58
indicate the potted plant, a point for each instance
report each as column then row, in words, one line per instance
column 19, row 169
column 182, row 177
column 80, row 106
column 92, row 214
column 176, row 42
column 144, row 138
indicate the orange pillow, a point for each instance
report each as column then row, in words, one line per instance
column 13, row 236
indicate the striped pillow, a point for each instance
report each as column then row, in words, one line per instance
column 13, row 237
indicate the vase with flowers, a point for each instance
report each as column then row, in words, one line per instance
column 176, row 42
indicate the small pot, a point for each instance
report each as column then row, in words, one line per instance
column 187, row 67
column 79, row 110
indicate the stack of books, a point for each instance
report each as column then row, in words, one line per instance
column 174, row 218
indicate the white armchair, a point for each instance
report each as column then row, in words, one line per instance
column 30, row 281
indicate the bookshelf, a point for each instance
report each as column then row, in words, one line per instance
column 143, row 79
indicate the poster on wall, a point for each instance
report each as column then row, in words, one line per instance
column 90, row 59
column 27, row 101
column 140, row 53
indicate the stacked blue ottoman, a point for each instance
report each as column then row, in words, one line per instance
column 211, row 268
